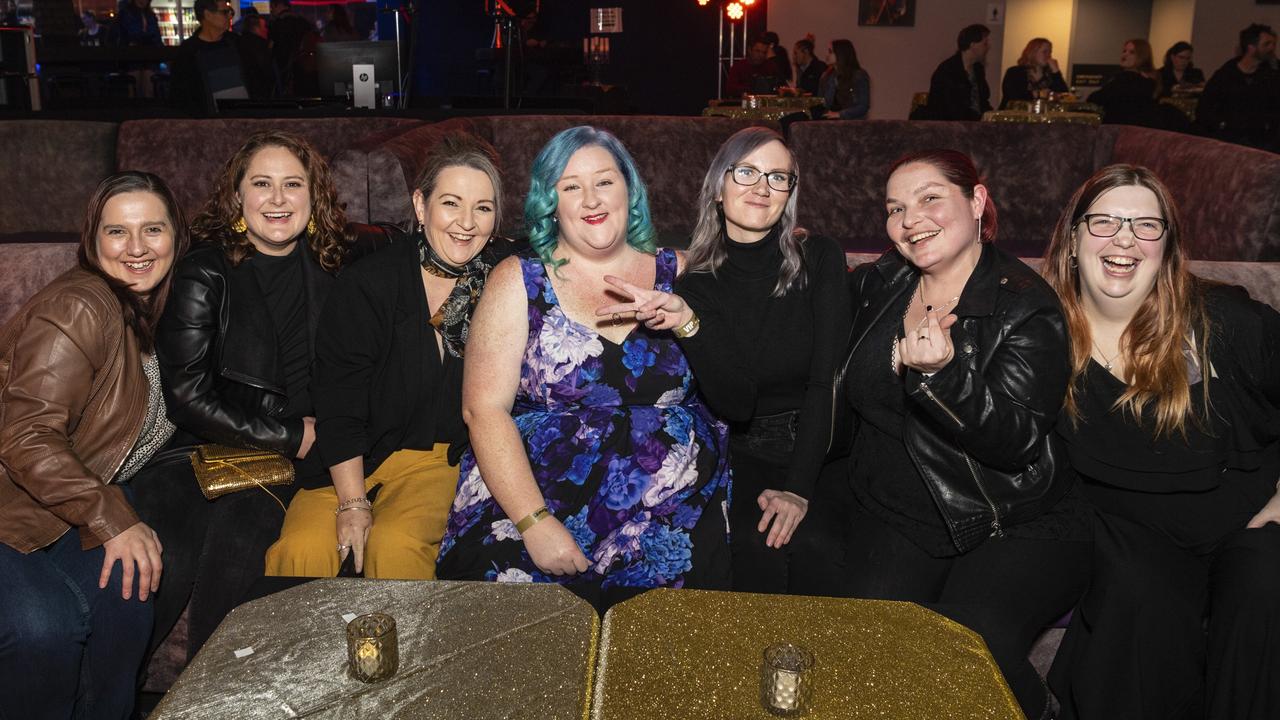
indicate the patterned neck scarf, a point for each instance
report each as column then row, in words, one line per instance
column 453, row 319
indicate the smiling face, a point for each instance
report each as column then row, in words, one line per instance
column 275, row 200
column 931, row 221
column 459, row 216
column 1119, row 272
column 750, row 212
column 593, row 203
column 135, row 240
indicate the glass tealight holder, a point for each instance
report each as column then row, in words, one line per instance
column 373, row 651
column 786, row 680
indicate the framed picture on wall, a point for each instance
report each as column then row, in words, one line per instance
column 888, row 13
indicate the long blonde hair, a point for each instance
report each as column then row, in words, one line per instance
column 1156, row 367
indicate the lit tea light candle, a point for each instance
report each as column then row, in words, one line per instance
column 786, row 679
column 372, row 647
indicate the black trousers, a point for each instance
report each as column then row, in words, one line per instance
column 759, row 459
column 1138, row 648
column 213, row 550
column 1007, row 589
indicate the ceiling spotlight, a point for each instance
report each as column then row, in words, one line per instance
column 734, row 11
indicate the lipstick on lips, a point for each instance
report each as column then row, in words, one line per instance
column 595, row 219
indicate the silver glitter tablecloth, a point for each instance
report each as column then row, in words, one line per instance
column 467, row 650
column 677, row 654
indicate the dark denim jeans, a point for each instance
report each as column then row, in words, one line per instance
column 67, row 648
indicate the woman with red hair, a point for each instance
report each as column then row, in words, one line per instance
column 956, row 494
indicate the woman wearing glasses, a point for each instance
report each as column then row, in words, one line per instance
column 1171, row 422
column 957, row 494
column 767, row 314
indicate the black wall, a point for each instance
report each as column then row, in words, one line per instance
column 665, row 56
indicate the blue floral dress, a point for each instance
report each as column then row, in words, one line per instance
column 625, row 454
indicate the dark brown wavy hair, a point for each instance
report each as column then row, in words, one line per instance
column 1156, row 368
column 141, row 312
column 213, row 223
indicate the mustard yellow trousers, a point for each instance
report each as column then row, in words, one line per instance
column 409, row 516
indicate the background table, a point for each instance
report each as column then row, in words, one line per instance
column 677, row 654
column 1022, row 116
column 467, row 650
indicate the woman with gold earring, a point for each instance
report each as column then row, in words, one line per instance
column 388, row 380
column 235, row 347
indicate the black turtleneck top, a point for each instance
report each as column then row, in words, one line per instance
column 758, row 355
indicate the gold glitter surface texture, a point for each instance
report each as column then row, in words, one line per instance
column 467, row 651
column 676, row 654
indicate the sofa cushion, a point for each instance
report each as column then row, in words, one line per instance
column 1229, row 195
column 50, row 167
column 353, row 173
column 671, row 152
column 189, row 154
column 29, row 267
column 1031, row 171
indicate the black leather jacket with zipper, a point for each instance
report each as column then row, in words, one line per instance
column 978, row 430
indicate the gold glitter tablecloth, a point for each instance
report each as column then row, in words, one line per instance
column 676, row 654
column 468, row 651
column 1018, row 116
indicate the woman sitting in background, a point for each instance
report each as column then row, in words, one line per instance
column 757, row 283
column 1173, row 423
column 1129, row 96
column 1178, row 71
column 1036, row 72
column 82, row 413
column 388, row 380
column 846, row 87
column 595, row 463
column 957, row 493
column 235, row 346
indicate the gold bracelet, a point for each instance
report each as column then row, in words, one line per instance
column 688, row 328
column 532, row 519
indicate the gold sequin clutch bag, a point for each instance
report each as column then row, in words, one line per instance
column 221, row 469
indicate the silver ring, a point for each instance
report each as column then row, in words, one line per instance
column 343, row 547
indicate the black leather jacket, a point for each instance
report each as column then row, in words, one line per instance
column 217, row 347
column 978, row 430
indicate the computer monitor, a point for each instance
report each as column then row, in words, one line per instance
column 334, row 62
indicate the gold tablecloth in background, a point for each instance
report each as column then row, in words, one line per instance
column 1019, row 116
column 1056, row 106
column 763, row 107
column 467, row 650
column 676, row 654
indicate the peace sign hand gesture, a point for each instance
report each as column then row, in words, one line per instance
column 658, row 310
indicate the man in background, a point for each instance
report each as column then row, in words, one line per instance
column 809, row 69
column 1240, row 103
column 958, row 89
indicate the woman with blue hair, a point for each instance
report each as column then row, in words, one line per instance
column 594, row 463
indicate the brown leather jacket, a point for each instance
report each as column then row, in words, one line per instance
column 73, row 398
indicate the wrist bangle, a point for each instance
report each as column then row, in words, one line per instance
column 688, row 328
column 361, row 503
column 532, row 519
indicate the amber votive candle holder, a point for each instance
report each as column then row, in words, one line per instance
column 373, row 650
column 786, row 680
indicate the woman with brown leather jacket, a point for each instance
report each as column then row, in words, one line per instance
column 235, row 346
column 957, row 494
column 80, row 413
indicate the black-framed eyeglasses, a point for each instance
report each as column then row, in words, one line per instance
column 1144, row 228
column 748, row 176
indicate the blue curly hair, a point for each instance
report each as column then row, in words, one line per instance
column 540, row 205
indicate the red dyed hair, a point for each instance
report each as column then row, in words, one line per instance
column 959, row 170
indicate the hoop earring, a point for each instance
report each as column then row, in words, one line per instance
column 239, row 226
column 311, row 227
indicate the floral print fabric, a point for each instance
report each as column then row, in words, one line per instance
column 624, row 452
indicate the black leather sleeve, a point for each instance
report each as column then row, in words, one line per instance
column 186, row 348
column 999, row 414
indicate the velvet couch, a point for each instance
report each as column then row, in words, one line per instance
column 1229, row 195
column 50, row 167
